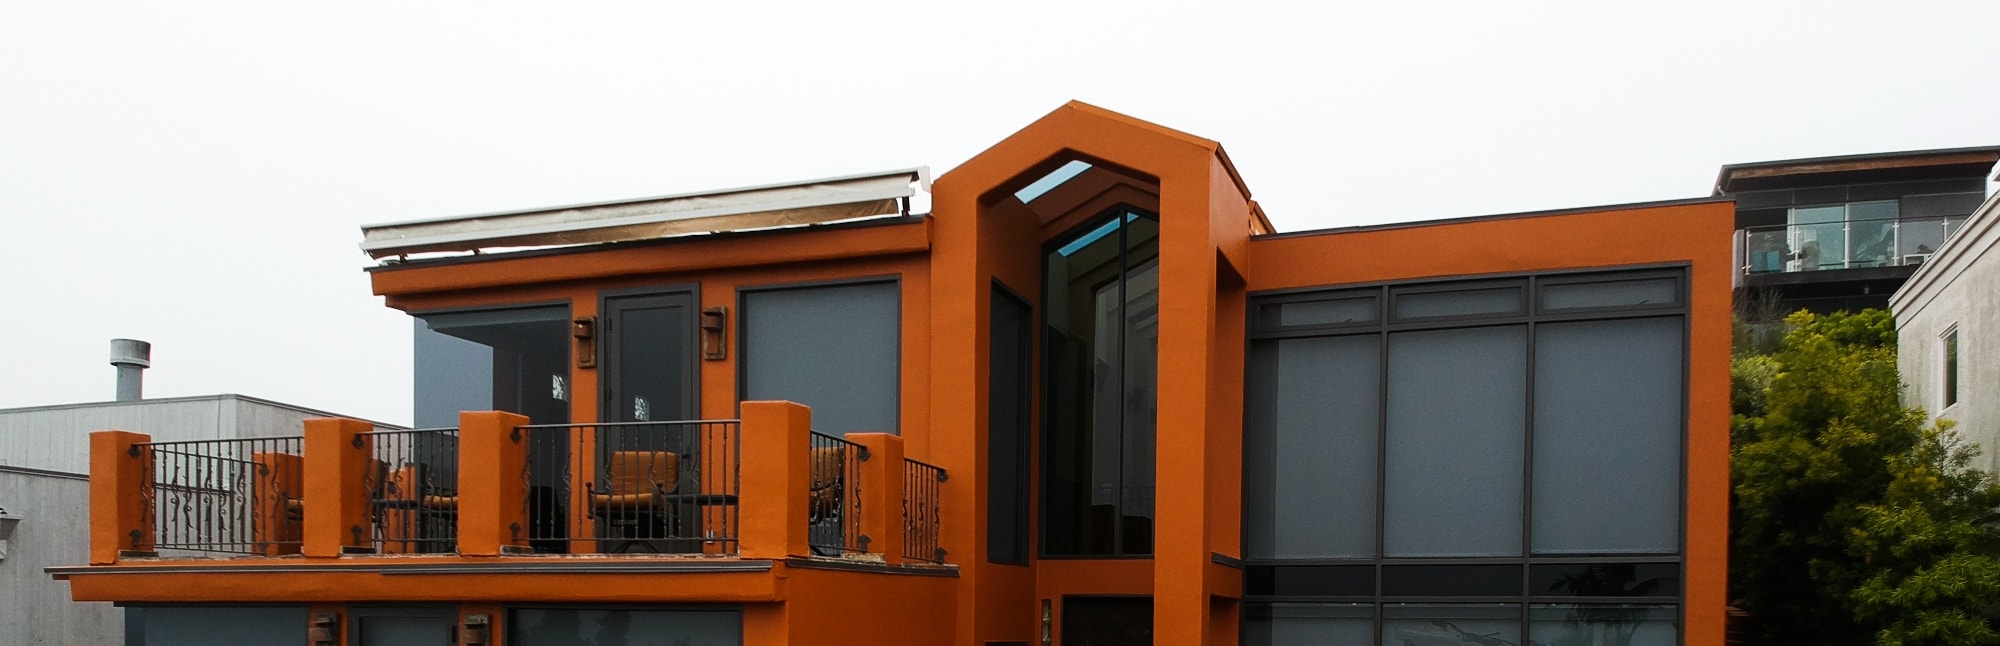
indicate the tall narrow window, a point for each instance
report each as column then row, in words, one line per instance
column 1011, row 356
column 1951, row 367
column 1101, row 339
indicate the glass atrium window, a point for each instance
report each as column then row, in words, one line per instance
column 515, row 360
column 1102, row 330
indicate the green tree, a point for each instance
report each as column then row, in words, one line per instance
column 1855, row 521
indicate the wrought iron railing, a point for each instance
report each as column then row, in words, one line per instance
column 1848, row 244
column 239, row 496
column 921, row 522
column 662, row 487
column 411, row 482
column 833, row 496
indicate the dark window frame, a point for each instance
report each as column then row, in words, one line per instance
column 1023, row 449
column 744, row 349
column 1261, row 330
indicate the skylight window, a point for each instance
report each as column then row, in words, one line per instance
column 1050, row 181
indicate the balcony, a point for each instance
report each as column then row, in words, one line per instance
column 764, row 487
column 1841, row 244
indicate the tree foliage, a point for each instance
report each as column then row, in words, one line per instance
column 1855, row 521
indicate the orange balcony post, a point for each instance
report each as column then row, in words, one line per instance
column 336, row 482
column 121, row 491
column 492, row 497
column 776, row 438
column 881, row 491
column 275, row 483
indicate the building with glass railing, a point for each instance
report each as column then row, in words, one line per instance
column 1842, row 233
column 1088, row 398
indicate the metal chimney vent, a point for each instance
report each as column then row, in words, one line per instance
column 132, row 357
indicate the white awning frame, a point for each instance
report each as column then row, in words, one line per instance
column 756, row 207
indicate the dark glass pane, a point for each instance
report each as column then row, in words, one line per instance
column 1102, row 350
column 405, row 631
column 1608, row 410
column 512, row 360
column 1763, row 199
column 1312, row 580
column 1310, row 447
column 1468, row 302
column 1826, row 195
column 1107, row 621
column 1345, row 311
column 649, row 342
column 1621, row 625
column 835, row 348
column 566, row 627
column 1007, row 427
column 1451, row 580
column 1951, row 368
column 1605, row 580
column 1439, row 625
column 175, row 625
column 1456, row 425
column 1308, row 624
column 1619, row 293
column 1926, row 206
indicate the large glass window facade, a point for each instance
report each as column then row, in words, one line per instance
column 515, row 360
column 1482, row 462
column 1100, row 373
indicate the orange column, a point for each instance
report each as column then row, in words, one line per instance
column 121, row 484
column 776, row 436
column 492, row 497
column 881, row 490
column 273, row 526
column 336, row 470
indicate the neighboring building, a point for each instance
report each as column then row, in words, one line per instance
column 44, row 456
column 1842, row 233
column 1090, row 399
column 1947, row 317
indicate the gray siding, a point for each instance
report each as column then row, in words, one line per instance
column 1957, row 287
column 35, row 609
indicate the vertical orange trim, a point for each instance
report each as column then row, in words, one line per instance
column 334, row 481
column 776, row 437
column 492, row 498
column 881, row 490
column 119, row 481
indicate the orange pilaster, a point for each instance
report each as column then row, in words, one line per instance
column 491, row 494
column 277, row 481
column 776, row 436
column 121, row 482
column 881, row 490
column 336, row 483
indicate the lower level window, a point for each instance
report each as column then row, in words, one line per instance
column 623, row 627
column 1414, row 624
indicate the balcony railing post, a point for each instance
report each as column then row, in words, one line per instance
column 775, row 471
column 121, row 484
column 492, row 453
column 275, row 480
column 882, row 494
column 336, row 497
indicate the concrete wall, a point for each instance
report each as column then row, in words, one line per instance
column 1959, row 286
column 35, row 609
column 56, row 438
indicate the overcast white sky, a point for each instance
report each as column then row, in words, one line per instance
column 194, row 173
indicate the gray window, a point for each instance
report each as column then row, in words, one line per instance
column 1950, row 363
column 1624, row 625
column 1309, row 624
column 1607, row 436
column 1311, row 448
column 1454, row 449
column 835, row 348
column 623, row 627
column 206, row 625
column 516, row 360
column 1409, row 624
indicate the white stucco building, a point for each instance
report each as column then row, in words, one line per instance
column 1948, row 327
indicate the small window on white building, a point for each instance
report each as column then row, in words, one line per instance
column 1950, row 364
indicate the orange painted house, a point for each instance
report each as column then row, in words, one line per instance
column 1090, row 398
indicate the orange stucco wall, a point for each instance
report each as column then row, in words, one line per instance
column 947, row 264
